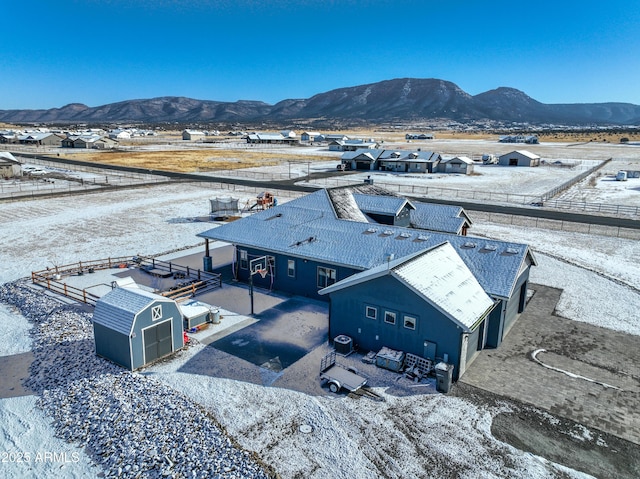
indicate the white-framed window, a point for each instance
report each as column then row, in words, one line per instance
column 390, row 317
column 326, row 276
column 244, row 259
column 410, row 322
column 156, row 313
column 371, row 312
column 291, row 268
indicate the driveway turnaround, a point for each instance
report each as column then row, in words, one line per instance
column 575, row 370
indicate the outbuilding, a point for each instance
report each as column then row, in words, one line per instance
column 519, row 158
column 458, row 164
column 133, row 327
column 9, row 166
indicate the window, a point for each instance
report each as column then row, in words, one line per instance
column 244, row 259
column 389, row 317
column 371, row 312
column 291, row 268
column 410, row 322
column 156, row 313
column 326, row 277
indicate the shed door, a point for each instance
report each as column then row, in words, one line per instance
column 157, row 341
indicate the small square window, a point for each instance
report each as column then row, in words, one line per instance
column 156, row 313
column 244, row 259
column 410, row 322
column 371, row 312
column 389, row 317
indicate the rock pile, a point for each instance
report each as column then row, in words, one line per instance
column 131, row 425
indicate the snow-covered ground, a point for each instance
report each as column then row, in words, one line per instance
column 349, row 438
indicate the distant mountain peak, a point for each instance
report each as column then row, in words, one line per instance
column 398, row 99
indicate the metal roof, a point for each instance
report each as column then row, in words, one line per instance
column 440, row 277
column 435, row 217
column 386, row 205
column 308, row 227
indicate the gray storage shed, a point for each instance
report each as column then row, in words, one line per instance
column 133, row 327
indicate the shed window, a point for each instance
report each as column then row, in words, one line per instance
column 371, row 312
column 291, row 268
column 410, row 322
column 156, row 313
column 244, row 259
column 389, row 317
column 326, row 277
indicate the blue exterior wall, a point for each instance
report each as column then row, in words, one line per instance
column 348, row 316
column 506, row 312
column 143, row 320
column 303, row 283
column 112, row 345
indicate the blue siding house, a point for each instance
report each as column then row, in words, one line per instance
column 321, row 245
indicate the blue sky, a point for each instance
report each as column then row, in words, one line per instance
column 103, row 51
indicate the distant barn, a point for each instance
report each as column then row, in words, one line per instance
column 519, row 158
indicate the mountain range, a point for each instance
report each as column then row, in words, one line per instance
column 398, row 100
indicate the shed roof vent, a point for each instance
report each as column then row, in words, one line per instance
column 387, row 233
column 489, row 247
column 422, row 238
column 469, row 245
column 370, row 230
column 404, row 235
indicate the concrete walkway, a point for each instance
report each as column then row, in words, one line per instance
column 597, row 355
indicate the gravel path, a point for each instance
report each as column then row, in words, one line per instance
column 131, row 426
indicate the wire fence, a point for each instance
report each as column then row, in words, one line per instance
column 557, row 225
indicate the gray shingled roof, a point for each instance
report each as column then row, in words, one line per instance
column 117, row 309
column 287, row 228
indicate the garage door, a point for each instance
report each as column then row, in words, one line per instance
column 157, row 341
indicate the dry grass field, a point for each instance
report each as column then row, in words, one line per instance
column 196, row 160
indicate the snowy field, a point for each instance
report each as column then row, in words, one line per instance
column 349, row 439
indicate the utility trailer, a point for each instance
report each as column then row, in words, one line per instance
column 339, row 377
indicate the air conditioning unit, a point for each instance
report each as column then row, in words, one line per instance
column 343, row 345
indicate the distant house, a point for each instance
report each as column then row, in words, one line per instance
column 352, row 145
column 419, row 136
column 392, row 160
column 9, row 166
column 331, row 137
column 40, row 139
column 309, row 136
column 288, row 133
column 519, row 158
column 192, row 135
column 120, row 135
column 270, row 138
column 458, row 164
column 530, row 139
